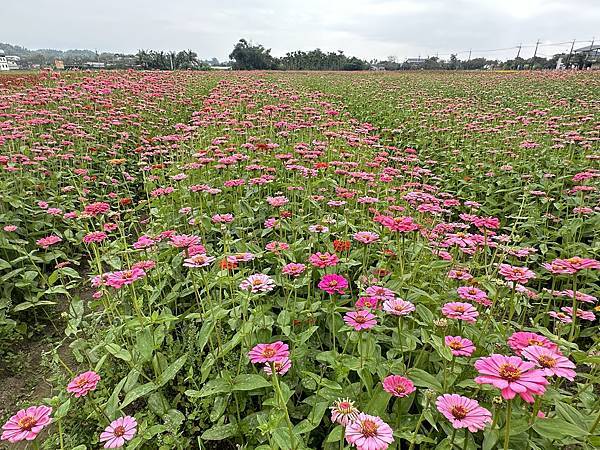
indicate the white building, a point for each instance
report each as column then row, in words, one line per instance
column 3, row 61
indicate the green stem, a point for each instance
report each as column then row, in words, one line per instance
column 507, row 424
column 419, row 422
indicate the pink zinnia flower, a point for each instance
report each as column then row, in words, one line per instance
column 277, row 201
column 360, row 320
column 459, row 346
column 512, row 376
column 380, row 293
column 333, row 284
column 585, row 315
column 344, row 412
column 95, row 209
column 398, row 386
column 276, row 246
column 367, row 303
column 83, row 383
column 521, row 339
column 293, row 269
column 460, row 311
column 26, row 424
column 48, row 241
column 10, row 228
column 199, row 260
column 463, row 412
column 120, row 430
column 94, row 236
column 266, row 353
column 551, row 362
column 571, row 266
column 519, row 274
column 366, row 237
column 561, row 316
column 122, row 278
column 144, row 242
column 474, row 294
column 281, row 367
column 398, row 307
column 369, row 433
column 222, row 218
column 323, row 260
column 460, row 274
column 258, row 283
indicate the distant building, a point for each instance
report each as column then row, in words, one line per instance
column 590, row 52
column 415, row 61
column 59, row 64
column 3, row 61
column 95, row 65
column 13, row 62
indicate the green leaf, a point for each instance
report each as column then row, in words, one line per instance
column 220, row 432
column 111, row 405
column 555, row 428
column 424, row 379
column 217, row 386
column 249, row 382
column 118, row 352
column 62, row 410
column 336, row 435
column 137, row 392
column 171, row 371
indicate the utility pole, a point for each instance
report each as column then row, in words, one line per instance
column 534, row 54
column 588, row 53
column 518, row 54
column 171, row 58
column 469, row 55
column 570, row 53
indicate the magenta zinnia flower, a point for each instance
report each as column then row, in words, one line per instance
column 360, row 320
column 369, row 433
column 460, row 311
column 120, row 430
column 26, row 424
column 380, row 293
column 463, row 412
column 512, row 376
column 571, row 266
column 265, row 353
column 551, row 362
column 519, row 274
column 333, row 284
column 398, row 386
column 323, row 260
column 83, row 383
column 459, row 346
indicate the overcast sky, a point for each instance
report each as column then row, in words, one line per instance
column 364, row 28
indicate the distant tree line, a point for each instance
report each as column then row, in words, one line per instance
column 247, row 56
column 576, row 60
column 183, row 60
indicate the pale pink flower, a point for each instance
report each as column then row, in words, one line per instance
column 398, row 307
column 460, row 311
column 463, row 412
column 459, row 346
column 369, row 433
column 551, row 362
column 258, row 283
column 118, row 432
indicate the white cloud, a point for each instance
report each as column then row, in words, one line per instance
column 365, row 28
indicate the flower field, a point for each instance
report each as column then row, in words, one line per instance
column 303, row 260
